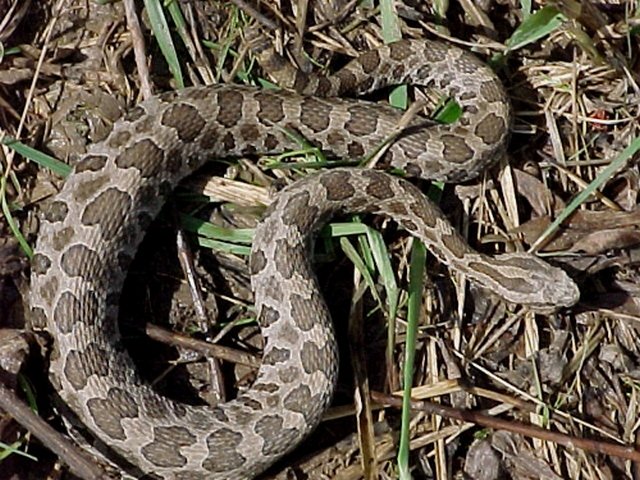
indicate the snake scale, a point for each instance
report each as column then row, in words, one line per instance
column 91, row 229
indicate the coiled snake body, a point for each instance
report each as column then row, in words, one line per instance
column 91, row 230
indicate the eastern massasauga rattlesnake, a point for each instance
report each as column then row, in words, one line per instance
column 92, row 228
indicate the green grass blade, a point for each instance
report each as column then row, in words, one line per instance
column 605, row 175
column 29, row 392
column 42, row 159
column 365, row 251
column 13, row 225
column 6, row 450
column 214, row 232
column 161, row 31
column 382, row 260
column 173, row 7
column 358, row 262
column 535, row 26
column 224, row 247
column 448, row 113
column 416, row 289
column 341, row 229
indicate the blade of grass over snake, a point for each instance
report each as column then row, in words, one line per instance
column 605, row 175
column 244, row 74
column 235, row 241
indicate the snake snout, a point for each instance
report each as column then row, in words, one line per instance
column 566, row 292
column 540, row 286
column 559, row 291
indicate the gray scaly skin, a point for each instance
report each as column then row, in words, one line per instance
column 92, row 228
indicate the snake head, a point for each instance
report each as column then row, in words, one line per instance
column 525, row 279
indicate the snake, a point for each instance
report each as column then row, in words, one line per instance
column 91, row 228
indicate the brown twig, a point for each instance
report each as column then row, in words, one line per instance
column 218, row 351
column 597, row 446
column 77, row 461
column 138, row 48
column 185, row 257
column 252, row 12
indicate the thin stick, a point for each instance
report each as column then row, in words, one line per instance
column 597, row 446
column 218, row 351
column 139, row 49
column 77, row 461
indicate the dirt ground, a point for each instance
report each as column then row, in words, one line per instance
column 542, row 396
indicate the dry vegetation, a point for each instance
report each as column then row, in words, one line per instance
column 68, row 69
